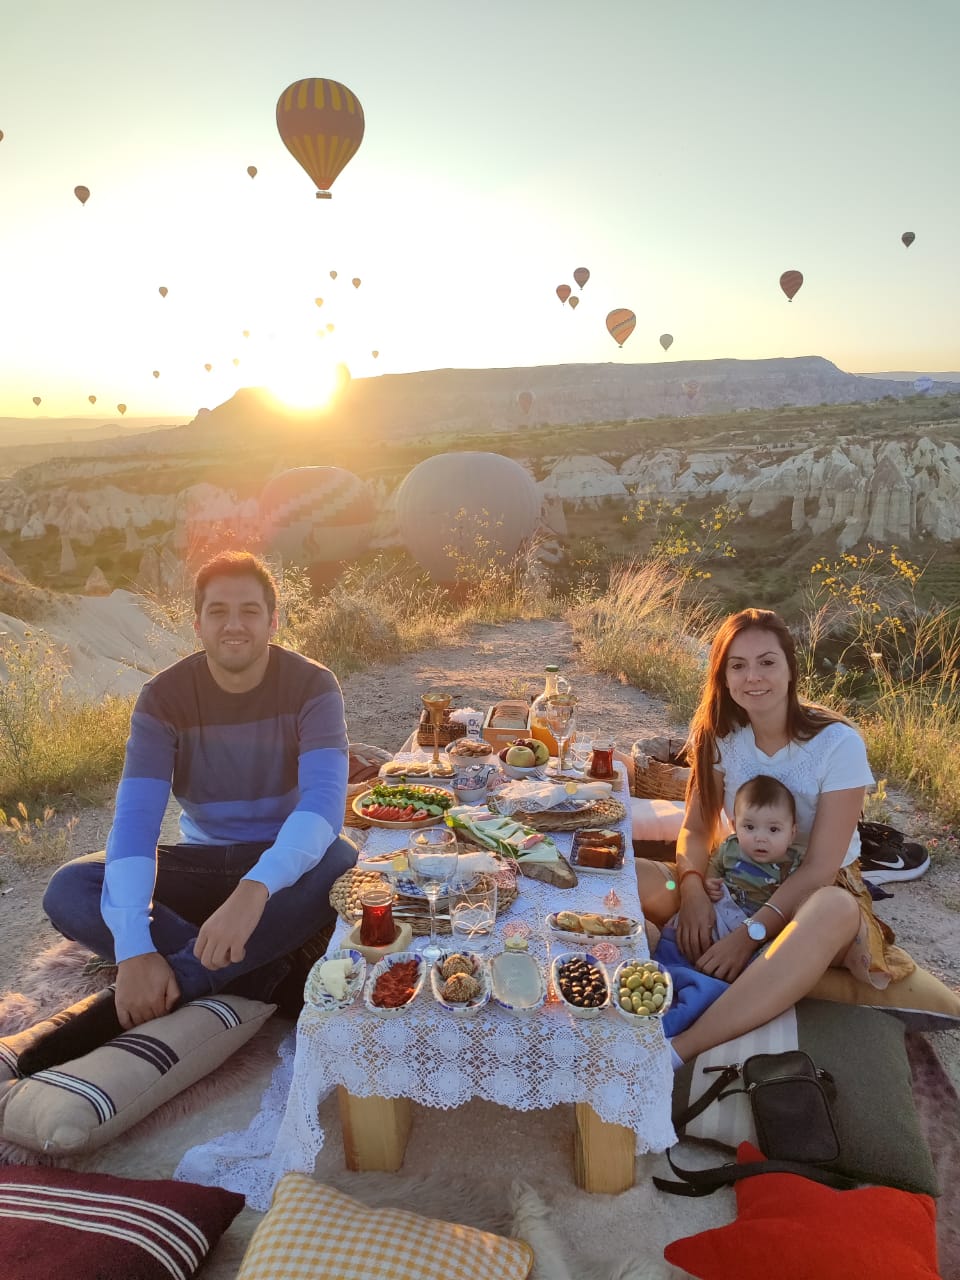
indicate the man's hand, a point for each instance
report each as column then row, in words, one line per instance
column 223, row 937
column 146, row 988
column 728, row 958
column 695, row 922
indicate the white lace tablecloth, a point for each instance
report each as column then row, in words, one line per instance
column 621, row 1069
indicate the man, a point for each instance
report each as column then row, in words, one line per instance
column 252, row 740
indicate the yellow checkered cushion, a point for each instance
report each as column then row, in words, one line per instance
column 312, row 1232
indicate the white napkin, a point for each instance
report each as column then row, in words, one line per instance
column 538, row 797
column 468, row 864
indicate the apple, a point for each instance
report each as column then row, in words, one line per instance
column 540, row 750
column 520, row 757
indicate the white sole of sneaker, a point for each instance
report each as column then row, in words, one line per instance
column 891, row 874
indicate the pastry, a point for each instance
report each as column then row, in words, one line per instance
column 593, row 924
column 568, row 920
column 455, row 964
column 460, row 988
column 469, row 748
column 618, row 926
column 594, row 856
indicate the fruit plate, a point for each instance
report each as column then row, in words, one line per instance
column 381, row 967
column 436, row 796
column 316, row 994
column 628, row 939
column 643, row 966
column 580, row 958
column 467, row 1007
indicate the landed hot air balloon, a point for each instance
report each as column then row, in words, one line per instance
column 922, row 384
column 317, row 517
column 252, row 170
column 333, row 275
column 908, row 238
column 163, row 291
column 790, row 282
column 573, row 302
column 375, row 354
column 563, row 292
column 666, row 341
column 620, row 324
column 525, row 401
column 208, row 367
column 156, row 373
column 82, row 194
column 318, row 301
column 37, row 399
column 321, row 124
column 356, row 282
column 581, row 276
column 460, row 513
column 92, row 399
column 121, row 409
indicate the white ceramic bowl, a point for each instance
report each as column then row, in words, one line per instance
column 637, row 1019
column 572, row 935
column 479, row 972
column 507, row 970
column 519, row 775
column 381, row 966
column 575, row 1010
column 318, row 997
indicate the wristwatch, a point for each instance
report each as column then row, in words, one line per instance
column 757, row 930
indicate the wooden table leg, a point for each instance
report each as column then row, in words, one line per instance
column 603, row 1153
column 375, row 1131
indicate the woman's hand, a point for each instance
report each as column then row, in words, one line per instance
column 728, row 958
column 695, row 922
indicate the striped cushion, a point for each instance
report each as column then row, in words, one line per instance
column 80, row 1105
column 61, row 1225
column 312, row 1232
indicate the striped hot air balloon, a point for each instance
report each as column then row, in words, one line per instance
column 620, row 324
column 563, row 292
column 316, row 516
column 790, row 282
column 908, row 238
column 321, row 125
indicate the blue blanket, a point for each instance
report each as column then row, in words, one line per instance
column 693, row 991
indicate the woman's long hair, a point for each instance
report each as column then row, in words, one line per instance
column 718, row 715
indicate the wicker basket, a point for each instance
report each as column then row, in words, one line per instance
column 449, row 730
column 659, row 769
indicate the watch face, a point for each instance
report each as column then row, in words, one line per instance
column 757, row 930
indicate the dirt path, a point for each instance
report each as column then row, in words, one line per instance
column 383, row 704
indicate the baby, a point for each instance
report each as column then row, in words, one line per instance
column 750, row 866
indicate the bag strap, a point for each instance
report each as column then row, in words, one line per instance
column 703, row 1182
column 725, row 1077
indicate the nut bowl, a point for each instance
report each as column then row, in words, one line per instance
column 381, row 967
column 643, row 968
column 316, row 994
column 566, row 958
column 465, row 1008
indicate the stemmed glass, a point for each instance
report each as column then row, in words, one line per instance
column 559, row 713
column 433, row 855
column 436, row 703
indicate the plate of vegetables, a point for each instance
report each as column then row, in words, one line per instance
column 403, row 806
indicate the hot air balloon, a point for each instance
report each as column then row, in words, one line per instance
column 246, row 333
column 374, row 354
column 236, row 361
column 456, row 508
column 329, row 328
column 908, row 238
column 321, row 124
column 156, row 373
column 525, row 401
column 252, row 170
column 790, row 282
column 36, row 399
column 1, row 135
column 163, row 291
column 92, row 399
column 563, row 292
column 82, row 194
column 333, row 275
column 922, row 384
column 208, row 367
column 581, row 276
column 121, row 409
column 318, row 301
column 355, row 282
column 666, row 341
column 317, row 517
column 573, row 302
column 620, row 324
column 690, row 389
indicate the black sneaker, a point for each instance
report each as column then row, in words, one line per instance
column 906, row 861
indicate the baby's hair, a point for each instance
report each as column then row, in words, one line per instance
column 764, row 792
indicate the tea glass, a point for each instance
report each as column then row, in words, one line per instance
column 601, row 758
column 377, row 928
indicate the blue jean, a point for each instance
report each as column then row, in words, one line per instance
column 192, row 881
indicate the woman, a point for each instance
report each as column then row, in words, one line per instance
column 751, row 721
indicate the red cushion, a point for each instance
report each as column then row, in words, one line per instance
column 794, row 1229
column 63, row 1225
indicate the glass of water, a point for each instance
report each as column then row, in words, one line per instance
column 432, row 855
column 473, row 914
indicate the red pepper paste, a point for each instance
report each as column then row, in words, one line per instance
column 396, row 985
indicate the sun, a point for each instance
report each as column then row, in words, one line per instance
column 298, row 380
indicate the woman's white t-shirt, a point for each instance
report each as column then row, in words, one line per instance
column 835, row 760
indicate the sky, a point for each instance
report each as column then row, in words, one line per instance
column 686, row 153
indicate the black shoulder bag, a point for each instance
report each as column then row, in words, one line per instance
column 791, row 1101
